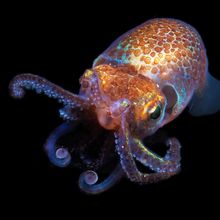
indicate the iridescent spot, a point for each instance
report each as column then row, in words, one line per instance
column 158, row 49
column 168, row 58
column 147, row 60
column 170, row 38
column 146, row 50
column 137, row 53
column 156, row 60
column 166, row 46
column 177, row 54
column 152, row 54
column 154, row 70
column 184, row 53
column 174, row 59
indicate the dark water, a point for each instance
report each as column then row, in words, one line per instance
column 59, row 45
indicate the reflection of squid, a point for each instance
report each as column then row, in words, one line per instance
column 144, row 80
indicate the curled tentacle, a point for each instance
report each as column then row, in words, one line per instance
column 123, row 147
column 41, row 85
column 59, row 157
column 170, row 163
column 86, row 186
column 90, row 177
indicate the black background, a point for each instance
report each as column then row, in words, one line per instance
column 59, row 43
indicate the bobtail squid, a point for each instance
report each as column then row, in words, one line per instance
column 144, row 80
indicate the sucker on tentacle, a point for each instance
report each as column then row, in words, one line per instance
column 144, row 80
column 67, row 114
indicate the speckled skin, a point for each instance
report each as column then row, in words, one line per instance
column 142, row 81
column 168, row 51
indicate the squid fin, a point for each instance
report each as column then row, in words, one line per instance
column 209, row 101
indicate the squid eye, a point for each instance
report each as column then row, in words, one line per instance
column 156, row 113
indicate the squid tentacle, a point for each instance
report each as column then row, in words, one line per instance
column 66, row 114
column 59, row 157
column 170, row 163
column 41, row 85
column 111, row 180
column 123, row 147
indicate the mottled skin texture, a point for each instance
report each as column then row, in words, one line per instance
column 142, row 81
column 168, row 51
